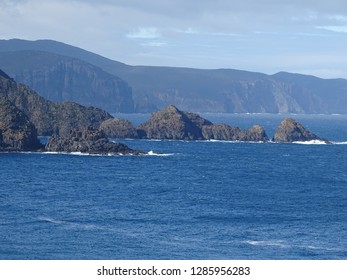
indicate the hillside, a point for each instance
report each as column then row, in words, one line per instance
column 47, row 117
column 221, row 90
column 61, row 78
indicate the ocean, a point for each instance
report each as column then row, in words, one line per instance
column 184, row 200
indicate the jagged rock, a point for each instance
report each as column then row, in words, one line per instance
column 221, row 132
column 228, row 133
column 17, row 133
column 49, row 117
column 118, row 128
column 255, row 134
column 291, row 131
column 89, row 141
column 172, row 123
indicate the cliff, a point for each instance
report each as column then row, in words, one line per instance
column 59, row 78
column 197, row 90
column 50, row 117
column 17, row 133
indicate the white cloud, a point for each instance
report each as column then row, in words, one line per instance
column 144, row 33
column 339, row 28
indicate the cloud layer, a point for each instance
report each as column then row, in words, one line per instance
column 304, row 36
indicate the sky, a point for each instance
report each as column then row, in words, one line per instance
column 268, row 36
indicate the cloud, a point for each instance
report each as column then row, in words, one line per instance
column 144, row 33
column 204, row 33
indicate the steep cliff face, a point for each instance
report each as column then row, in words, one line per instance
column 194, row 90
column 17, row 133
column 49, row 117
column 59, row 78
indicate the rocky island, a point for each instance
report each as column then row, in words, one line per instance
column 24, row 115
column 88, row 141
column 291, row 131
column 172, row 123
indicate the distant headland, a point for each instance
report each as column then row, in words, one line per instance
column 75, row 128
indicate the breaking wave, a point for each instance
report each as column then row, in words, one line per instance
column 151, row 153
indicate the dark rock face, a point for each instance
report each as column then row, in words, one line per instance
column 60, row 79
column 118, row 128
column 89, row 141
column 49, row 117
column 291, row 131
column 17, row 133
column 172, row 123
column 227, row 133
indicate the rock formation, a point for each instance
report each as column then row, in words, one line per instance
column 17, row 133
column 118, row 128
column 291, row 131
column 89, row 141
column 50, row 117
column 172, row 123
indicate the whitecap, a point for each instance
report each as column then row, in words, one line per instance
column 311, row 142
column 151, row 153
column 339, row 143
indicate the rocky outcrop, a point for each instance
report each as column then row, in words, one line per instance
column 291, row 131
column 118, row 128
column 172, row 123
column 227, row 133
column 88, row 141
column 49, row 117
column 17, row 133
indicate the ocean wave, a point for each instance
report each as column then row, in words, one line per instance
column 276, row 243
column 311, row 142
column 339, row 143
column 151, row 153
column 69, row 224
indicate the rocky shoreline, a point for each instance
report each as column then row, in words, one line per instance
column 77, row 129
column 174, row 124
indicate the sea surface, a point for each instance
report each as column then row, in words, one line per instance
column 195, row 200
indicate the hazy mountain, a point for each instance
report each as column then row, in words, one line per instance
column 61, row 78
column 221, row 90
column 48, row 117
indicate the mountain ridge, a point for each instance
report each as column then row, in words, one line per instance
column 211, row 90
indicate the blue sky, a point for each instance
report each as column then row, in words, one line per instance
column 301, row 36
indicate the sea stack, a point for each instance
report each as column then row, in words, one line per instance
column 291, row 131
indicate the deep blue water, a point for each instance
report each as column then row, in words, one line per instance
column 200, row 200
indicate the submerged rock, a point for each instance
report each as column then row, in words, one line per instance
column 291, row 131
column 89, row 141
